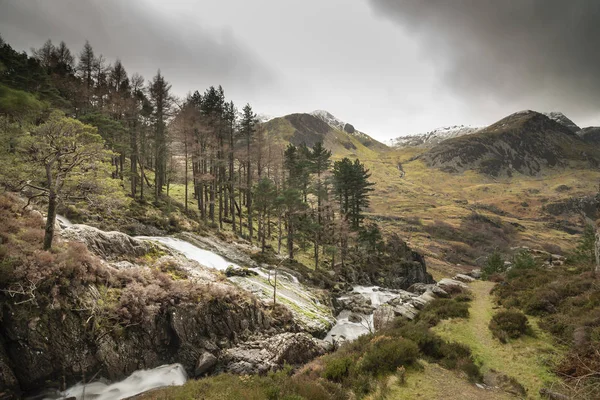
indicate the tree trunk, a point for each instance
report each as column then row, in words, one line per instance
column 290, row 238
column 185, row 207
column 279, row 234
column 50, row 220
column 597, row 251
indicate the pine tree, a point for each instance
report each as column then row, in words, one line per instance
column 352, row 188
column 161, row 102
column 248, row 128
column 85, row 66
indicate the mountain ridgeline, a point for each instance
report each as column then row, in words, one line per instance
column 320, row 126
column 525, row 142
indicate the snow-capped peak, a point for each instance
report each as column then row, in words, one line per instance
column 563, row 120
column 433, row 137
column 262, row 118
column 327, row 117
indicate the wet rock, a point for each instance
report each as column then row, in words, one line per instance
column 206, row 362
column 244, row 272
column 354, row 317
column 355, row 302
column 403, row 309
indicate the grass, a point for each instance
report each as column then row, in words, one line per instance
column 430, row 194
column 435, row 382
column 527, row 359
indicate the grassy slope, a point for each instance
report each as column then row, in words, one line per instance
column 435, row 382
column 427, row 195
column 526, row 359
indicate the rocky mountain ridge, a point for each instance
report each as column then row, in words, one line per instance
column 431, row 138
column 525, row 142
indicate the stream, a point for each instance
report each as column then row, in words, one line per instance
column 307, row 309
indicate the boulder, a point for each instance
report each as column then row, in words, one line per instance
column 464, row 278
column 354, row 302
column 476, row 273
column 206, row 362
column 452, row 284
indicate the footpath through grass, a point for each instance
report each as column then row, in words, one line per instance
column 527, row 359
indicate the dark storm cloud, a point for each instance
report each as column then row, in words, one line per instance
column 544, row 53
column 146, row 38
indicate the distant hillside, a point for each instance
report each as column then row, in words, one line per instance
column 525, row 142
column 590, row 135
column 430, row 139
column 341, row 138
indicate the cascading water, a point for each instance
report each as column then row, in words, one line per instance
column 347, row 328
column 204, row 257
column 136, row 383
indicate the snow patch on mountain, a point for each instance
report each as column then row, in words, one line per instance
column 328, row 118
column 430, row 139
column 563, row 120
column 262, row 118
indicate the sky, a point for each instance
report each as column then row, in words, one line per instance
column 389, row 67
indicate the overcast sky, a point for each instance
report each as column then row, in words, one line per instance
column 390, row 67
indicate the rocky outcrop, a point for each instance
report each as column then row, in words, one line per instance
column 271, row 353
column 108, row 245
column 49, row 347
column 9, row 386
column 400, row 271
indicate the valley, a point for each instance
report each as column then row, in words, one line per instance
column 156, row 247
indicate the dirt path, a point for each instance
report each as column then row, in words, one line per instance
column 525, row 359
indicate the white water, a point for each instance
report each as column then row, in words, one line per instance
column 139, row 382
column 204, row 257
column 346, row 330
column 63, row 221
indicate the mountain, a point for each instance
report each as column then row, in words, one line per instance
column 524, row 142
column 591, row 134
column 563, row 120
column 338, row 124
column 339, row 137
column 430, row 139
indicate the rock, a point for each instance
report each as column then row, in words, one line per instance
column 464, row 278
column 354, row 317
column 420, row 288
column 508, row 384
column 123, row 265
column 451, row 284
column 109, row 245
column 265, row 354
column 382, row 317
column 356, row 303
column 476, row 273
column 437, row 291
column 9, row 386
column 206, row 362
column 244, row 272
